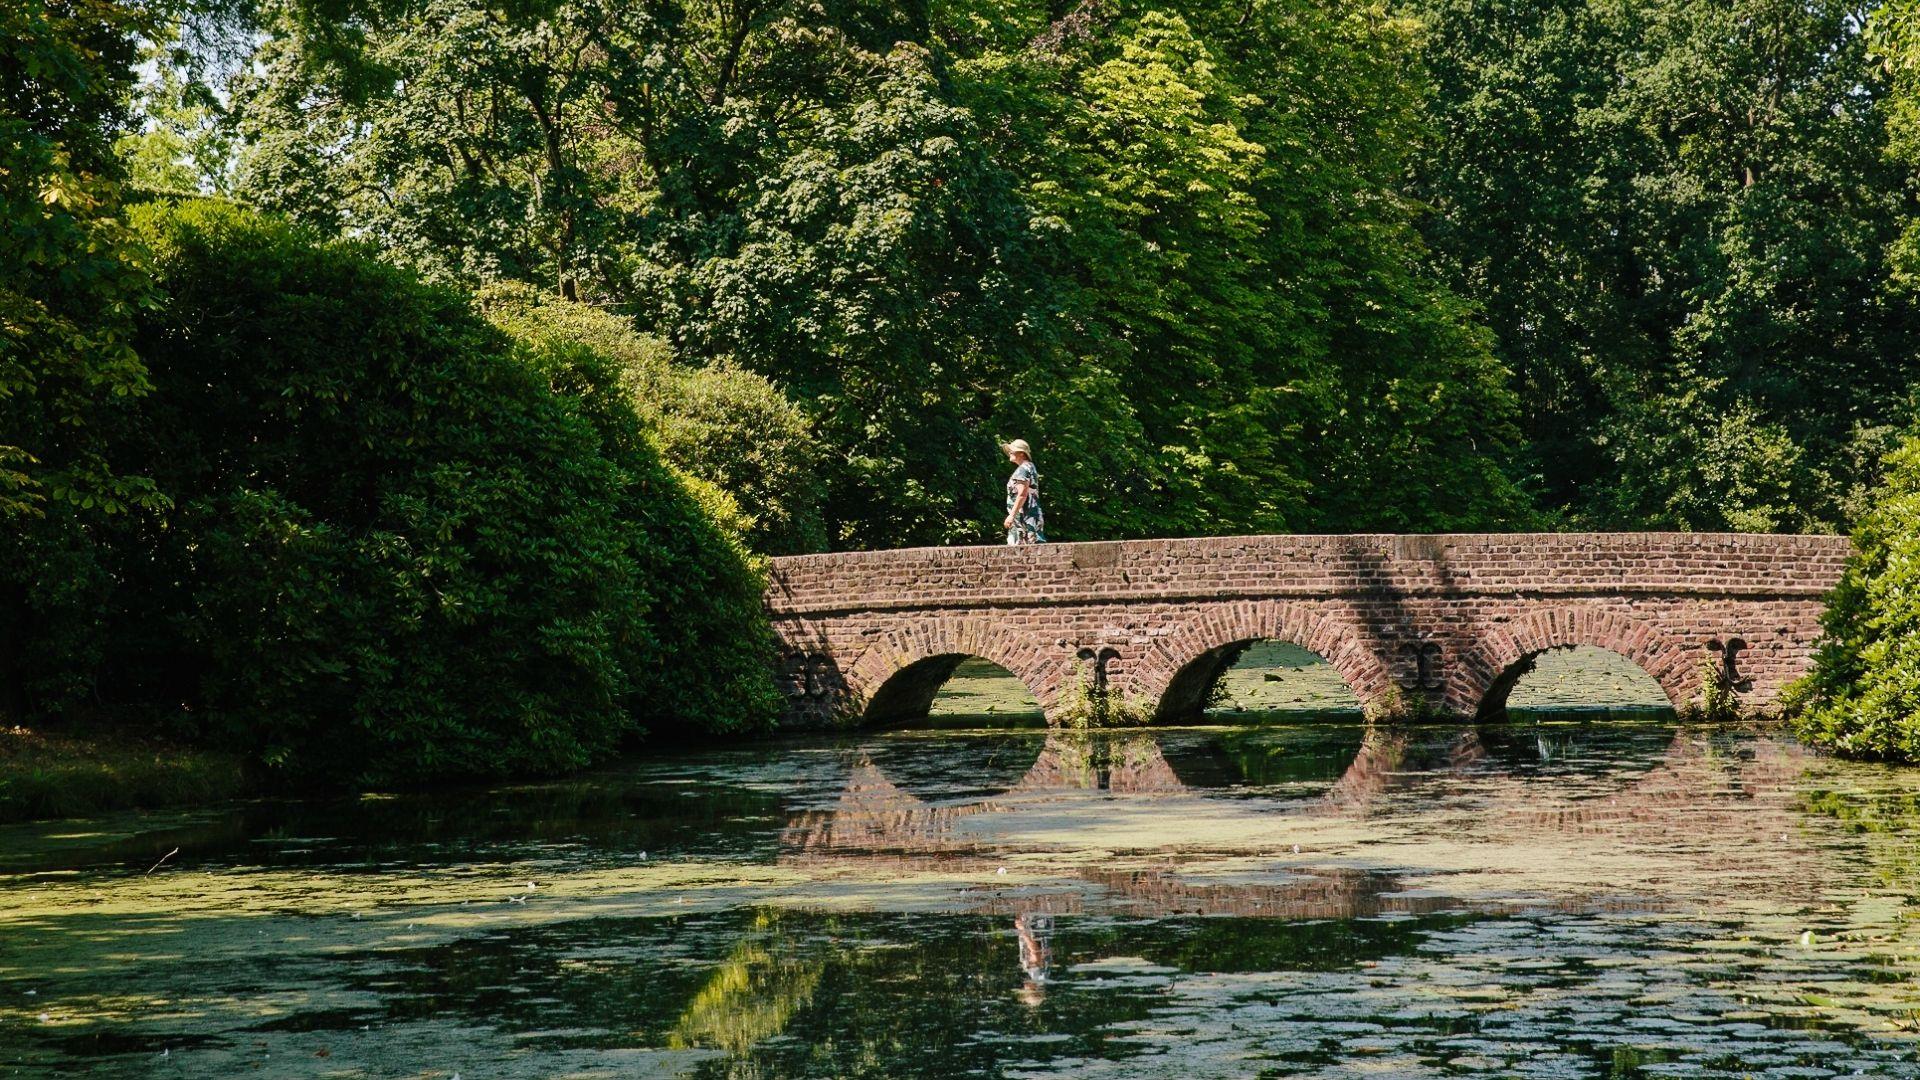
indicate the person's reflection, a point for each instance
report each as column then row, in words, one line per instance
column 1036, row 954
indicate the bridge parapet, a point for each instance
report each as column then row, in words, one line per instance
column 1448, row 620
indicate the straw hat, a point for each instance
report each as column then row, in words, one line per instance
column 1017, row 446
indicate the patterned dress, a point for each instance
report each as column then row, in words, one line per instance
column 1031, row 526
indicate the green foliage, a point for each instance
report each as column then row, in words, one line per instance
column 69, row 284
column 1136, row 147
column 1863, row 697
column 184, row 144
column 405, row 547
column 880, row 267
column 1225, row 182
column 1163, row 243
column 1719, row 702
column 1680, row 462
column 1396, row 706
column 1086, row 705
column 734, row 427
column 1674, row 216
column 1894, row 35
column 461, row 123
column 54, row 588
column 725, row 425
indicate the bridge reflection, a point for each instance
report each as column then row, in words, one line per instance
column 1675, row 798
column 877, row 814
column 1685, row 781
column 1647, row 805
column 874, row 814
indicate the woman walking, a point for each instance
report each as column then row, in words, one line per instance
column 1025, row 524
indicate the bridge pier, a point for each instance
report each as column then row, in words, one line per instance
column 1442, row 624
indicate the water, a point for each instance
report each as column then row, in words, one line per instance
column 1564, row 898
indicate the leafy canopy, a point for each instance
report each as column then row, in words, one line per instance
column 1163, row 242
column 70, row 281
column 1675, row 218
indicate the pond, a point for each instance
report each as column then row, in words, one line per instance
column 1569, row 894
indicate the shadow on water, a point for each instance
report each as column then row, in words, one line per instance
column 735, row 804
column 604, row 813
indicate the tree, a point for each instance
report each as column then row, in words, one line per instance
column 69, row 281
column 70, row 286
column 184, row 142
column 451, row 133
column 1164, row 244
column 886, row 273
column 612, row 151
column 1224, row 184
column 1130, row 142
column 1675, row 216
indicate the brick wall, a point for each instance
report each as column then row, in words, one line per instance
column 1447, row 618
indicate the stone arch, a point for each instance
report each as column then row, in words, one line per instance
column 897, row 675
column 1506, row 653
column 1179, row 669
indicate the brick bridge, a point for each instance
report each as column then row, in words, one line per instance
column 1450, row 621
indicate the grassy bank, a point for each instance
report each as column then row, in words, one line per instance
column 44, row 774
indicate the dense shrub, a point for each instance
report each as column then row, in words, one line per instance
column 403, row 546
column 1863, row 697
column 53, row 592
column 723, row 424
